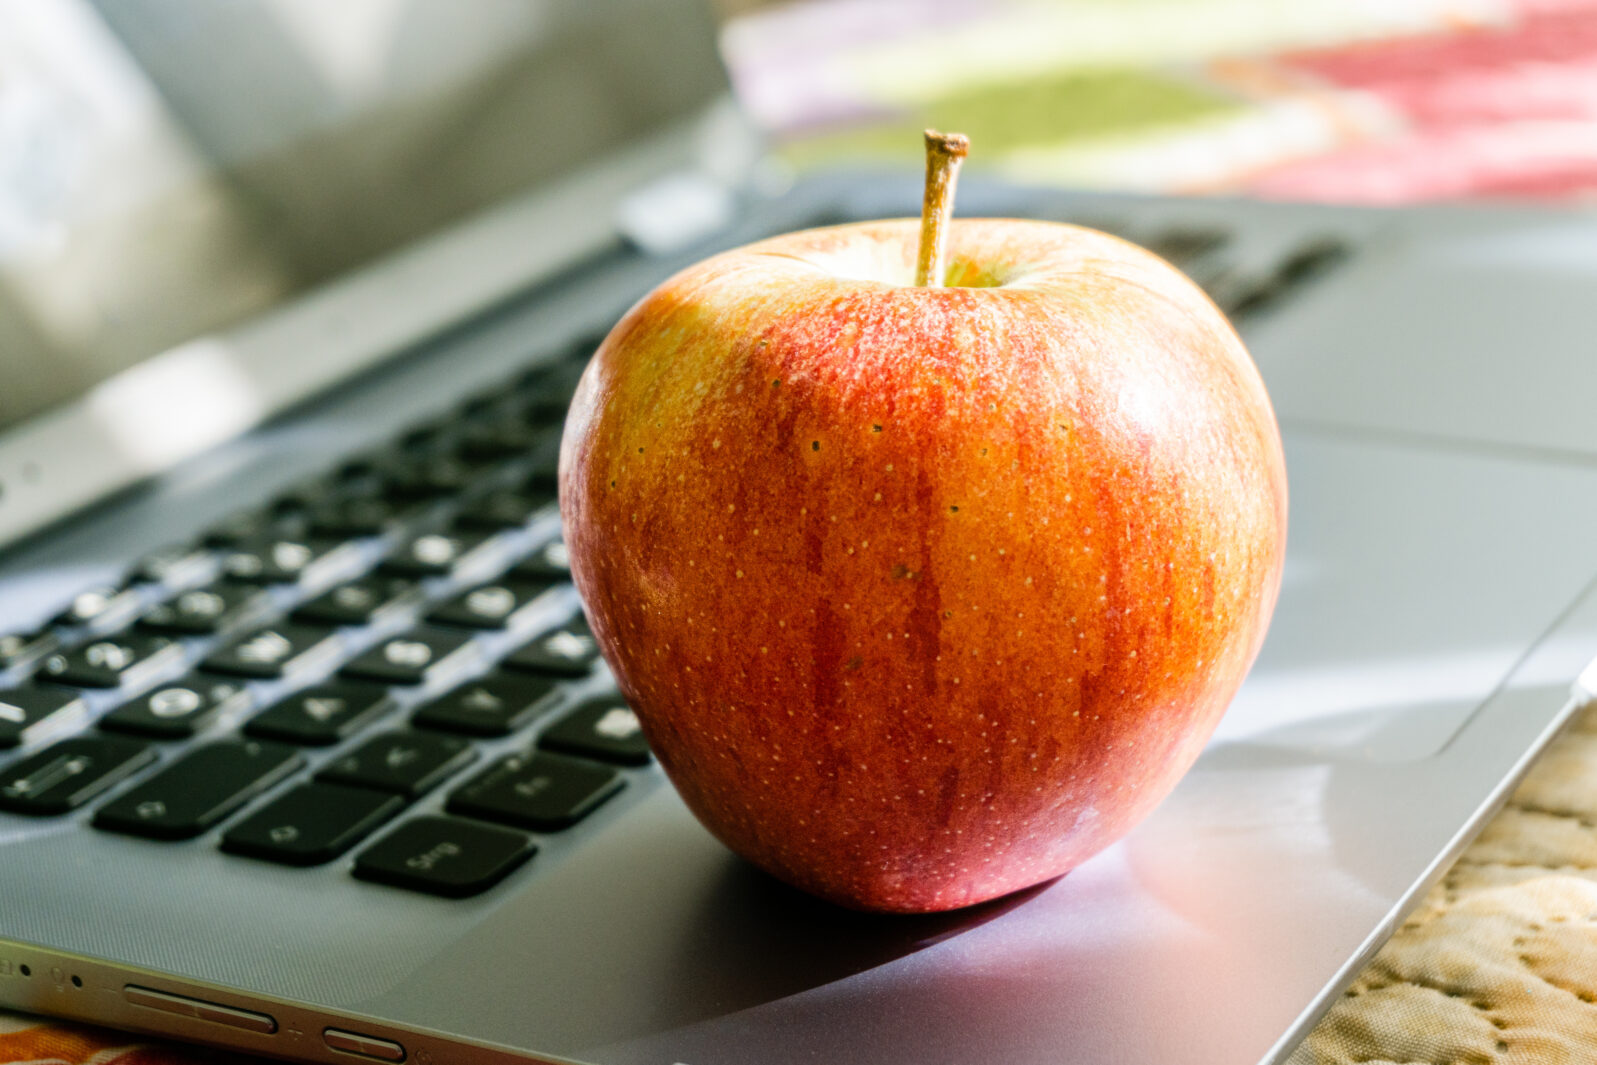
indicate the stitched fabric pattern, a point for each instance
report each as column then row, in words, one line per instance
column 1498, row 966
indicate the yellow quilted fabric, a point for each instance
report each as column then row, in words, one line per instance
column 1499, row 964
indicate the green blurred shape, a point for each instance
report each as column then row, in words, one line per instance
column 1077, row 105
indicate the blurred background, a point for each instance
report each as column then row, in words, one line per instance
column 141, row 168
column 1366, row 101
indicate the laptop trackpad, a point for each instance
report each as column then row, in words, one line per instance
column 1416, row 577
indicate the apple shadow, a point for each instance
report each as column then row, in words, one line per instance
column 755, row 940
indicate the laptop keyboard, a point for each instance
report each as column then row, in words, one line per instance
column 433, row 566
column 255, row 680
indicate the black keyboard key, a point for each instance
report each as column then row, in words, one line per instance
column 543, row 792
column 605, row 729
column 551, row 562
column 500, row 510
column 495, row 705
column 99, row 607
column 176, row 711
column 360, row 471
column 480, row 406
column 115, row 660
column 428, row 438
column 429, row 477
column 543, row 479
column 28, row 713
column 355, row 515
column 405, row 763
column 21, row 648
column 492, row 606
column 444, row 856
column 311, row 824
column 416, row 657
column 239, row 527
column 1181, row 246
column 546, row 398
column 497, row 435
column 202, row 611
column 554, row 384
column 322, row 715
column 199, row 790
column 273, row 652
column 356, row 603
column 1310, row 259
column 295, row 502
column 538, row 397
column 283, row 560
column 569, row 651
column 435, row 554
column 545, row 410
column 65, row 775
column 1243, row 296
column 280, row 560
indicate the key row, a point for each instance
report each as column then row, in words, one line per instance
column 261, row 551
column 371, row 495
column 198, row 789
column 179, row 709
column 271, row 555
column 150, row 646
column 544, row 790
column 449, row 455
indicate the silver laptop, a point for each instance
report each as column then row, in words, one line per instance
column 304, row 750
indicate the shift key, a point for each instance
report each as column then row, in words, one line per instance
column 200, row 789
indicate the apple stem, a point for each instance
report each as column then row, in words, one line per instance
column 944, row 153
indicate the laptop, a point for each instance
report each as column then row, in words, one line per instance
column 284, row 617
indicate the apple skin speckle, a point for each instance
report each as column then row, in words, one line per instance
column 1119, row 480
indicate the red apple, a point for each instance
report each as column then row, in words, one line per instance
column 925, row 594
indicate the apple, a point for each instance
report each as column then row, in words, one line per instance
column 925, row 593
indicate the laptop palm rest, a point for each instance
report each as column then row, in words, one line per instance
column 731, row 967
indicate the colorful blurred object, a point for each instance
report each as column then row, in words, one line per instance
column 1354, row 101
